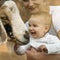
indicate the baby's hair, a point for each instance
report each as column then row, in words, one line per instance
column 47, row 18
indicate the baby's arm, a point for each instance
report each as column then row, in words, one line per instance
column 53, row 48
column 50, row 48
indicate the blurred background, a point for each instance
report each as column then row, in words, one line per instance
column 4, row 52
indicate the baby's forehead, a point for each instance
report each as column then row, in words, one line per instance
column 35, row 20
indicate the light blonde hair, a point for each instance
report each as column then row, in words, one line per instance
column 46, row 19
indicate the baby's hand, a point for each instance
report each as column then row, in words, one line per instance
column 43, row 48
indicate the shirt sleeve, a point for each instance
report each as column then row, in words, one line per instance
column 53, row 48
column 55, row 12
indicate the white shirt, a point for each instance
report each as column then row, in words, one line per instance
column 55, row 12
column 51, row 42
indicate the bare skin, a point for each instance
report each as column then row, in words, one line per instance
column 34, row 55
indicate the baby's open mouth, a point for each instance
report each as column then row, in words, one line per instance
column 33, row 33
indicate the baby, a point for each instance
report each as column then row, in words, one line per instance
column 40, row 39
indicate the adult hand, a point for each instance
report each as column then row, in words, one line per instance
column 33, row 54
column 43, row 48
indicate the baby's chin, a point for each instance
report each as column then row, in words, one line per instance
column 37, row 37
column 34, row 35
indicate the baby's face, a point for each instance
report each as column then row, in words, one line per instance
column 36, row 28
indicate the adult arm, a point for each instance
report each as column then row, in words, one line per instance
column 34, row 55
column 55, row 12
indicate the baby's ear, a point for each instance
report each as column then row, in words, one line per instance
column 47, row 28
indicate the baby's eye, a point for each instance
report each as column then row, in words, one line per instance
column 35, row 25
column 29, row 25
